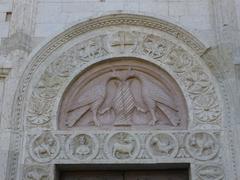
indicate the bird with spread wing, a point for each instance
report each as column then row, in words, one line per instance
column 91, row 100
column 124, row 93
column 155, row 98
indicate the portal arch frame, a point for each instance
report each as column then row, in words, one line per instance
column 98, row 46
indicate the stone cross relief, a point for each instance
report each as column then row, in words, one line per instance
column 121, row 98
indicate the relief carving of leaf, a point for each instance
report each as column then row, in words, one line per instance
column 65, row 64
column 179, row 61
column 39, row 111
column 49, row 85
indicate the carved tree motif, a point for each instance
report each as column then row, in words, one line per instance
column 162, row 145
column 90, row 49
column 122, row 146
column 152, row 46
column 82, row 147
column 124, row 96
column 44, row 148
column 197, row 81
column 179, row 61
column 65, row 64
column 202, row 146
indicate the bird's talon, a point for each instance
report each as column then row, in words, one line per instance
column 97, row 124
column 141, row 109
column 152, row 123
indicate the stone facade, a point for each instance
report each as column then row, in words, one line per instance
column 119, row 82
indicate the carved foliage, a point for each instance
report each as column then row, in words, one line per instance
column 206, row 108
column 51, row 81
column 152, row 46
column 189, row 72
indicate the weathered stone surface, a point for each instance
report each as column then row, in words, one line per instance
column 122, row 88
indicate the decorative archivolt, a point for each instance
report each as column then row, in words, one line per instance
column 191, row 76
column 53, row 69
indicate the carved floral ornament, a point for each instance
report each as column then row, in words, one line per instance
column 188, row 72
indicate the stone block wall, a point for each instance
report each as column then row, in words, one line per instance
column 52, row 16
column 5, row 8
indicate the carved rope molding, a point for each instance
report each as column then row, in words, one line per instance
column 188, row 72
column 63, row 38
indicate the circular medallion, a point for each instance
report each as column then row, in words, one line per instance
column 162, row 145
column 122, row 146
column 44, row 148
column 202, row 146
column 82, row 146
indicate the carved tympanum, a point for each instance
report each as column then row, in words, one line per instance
column 123, row 93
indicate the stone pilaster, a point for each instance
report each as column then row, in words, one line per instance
column 17, row 48
column 224, row 20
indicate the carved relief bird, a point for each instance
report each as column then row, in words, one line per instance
column 90, row 100
column 156, row 98
column 121, row 99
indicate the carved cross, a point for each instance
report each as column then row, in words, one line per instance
column 123, row 40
